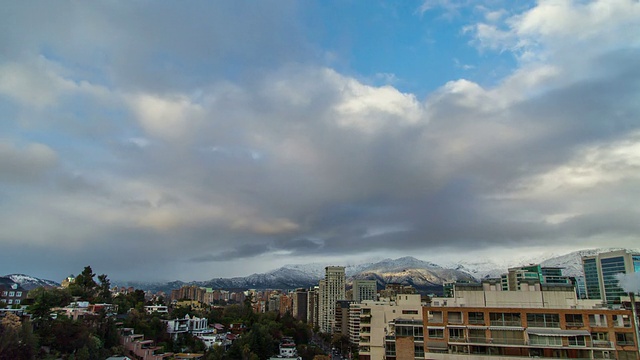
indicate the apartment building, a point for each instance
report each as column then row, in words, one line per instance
column 188, row 292
column 299, row 304
column 378, row 322
column 189, row 324
column 354, row 323
column 542, row 321
column 364, row 290
column 534, row 272
column 330, row 290
column 313, row 301
column 342, row 317
column 11, row 293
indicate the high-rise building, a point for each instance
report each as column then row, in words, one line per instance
column 384, row 324
column 312, row 306
column 341, row 325
column 331, row 289
column 600, row 273
column 364, row 290
column 354, row 323
column 300, row 301
column 544, row 275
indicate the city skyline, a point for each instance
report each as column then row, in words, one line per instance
column 157, row 141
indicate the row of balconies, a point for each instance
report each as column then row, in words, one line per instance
column 483, row 340
column 456, row 318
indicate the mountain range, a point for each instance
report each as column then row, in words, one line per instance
column 26, row 282
column 425, row 276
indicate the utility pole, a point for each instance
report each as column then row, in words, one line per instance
column 634, row 312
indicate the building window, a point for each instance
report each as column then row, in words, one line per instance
column 410, row 312
column 577, row 341
column 597, row 320
column 17, row 302
column 4, row 293
column 477, row 336
column 600, row 336
column 476, row 318
column 436, row 333
column 624, row 339
column 12, row 294
column 545, row 340
column 621, row 321
column 454, row 317
column 456, row 334
column 435, row 317
column 505, row 319
column 418, row 351
column 390, row 349
column 543, row 320
column 10, row 301
column 508, row 337
column 574, row 320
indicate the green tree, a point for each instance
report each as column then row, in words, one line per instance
column 9, row 336
column 84, row 286
column 104, row 289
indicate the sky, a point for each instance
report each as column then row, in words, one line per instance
column 158, row 140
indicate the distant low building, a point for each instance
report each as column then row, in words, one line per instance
column 193, row 325
column 11, row 293
column 287, row 350
column 159, row 309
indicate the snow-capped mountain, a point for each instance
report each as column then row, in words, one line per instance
column 317, row 269
column 423, row 275
column 572, row 262
column 29, row 282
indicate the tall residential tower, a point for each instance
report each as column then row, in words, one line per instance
column 331, row 289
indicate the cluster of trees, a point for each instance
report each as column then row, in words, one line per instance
column 47, row 337
column 96, row 337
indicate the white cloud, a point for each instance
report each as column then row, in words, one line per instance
column 559, row 29
column 592, row 167
column 40, row 83
column 167, row 117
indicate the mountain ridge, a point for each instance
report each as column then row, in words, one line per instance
column 424, row 275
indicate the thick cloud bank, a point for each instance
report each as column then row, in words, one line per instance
column 216, row 141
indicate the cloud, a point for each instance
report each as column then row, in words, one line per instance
column 192, row 146
column 27, row 163
column 629, row 282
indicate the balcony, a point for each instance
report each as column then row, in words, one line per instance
column 508, row 341
column 478, row 340
column 457, row 339
column 575, row 324
column 543, row 324
column 506, row 323
column 602, row 344
column 625, row 343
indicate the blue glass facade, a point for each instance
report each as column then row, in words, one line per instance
column 591, row 279
column 610, row 268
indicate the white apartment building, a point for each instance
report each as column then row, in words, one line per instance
column 378, row 321
column 331, row 289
